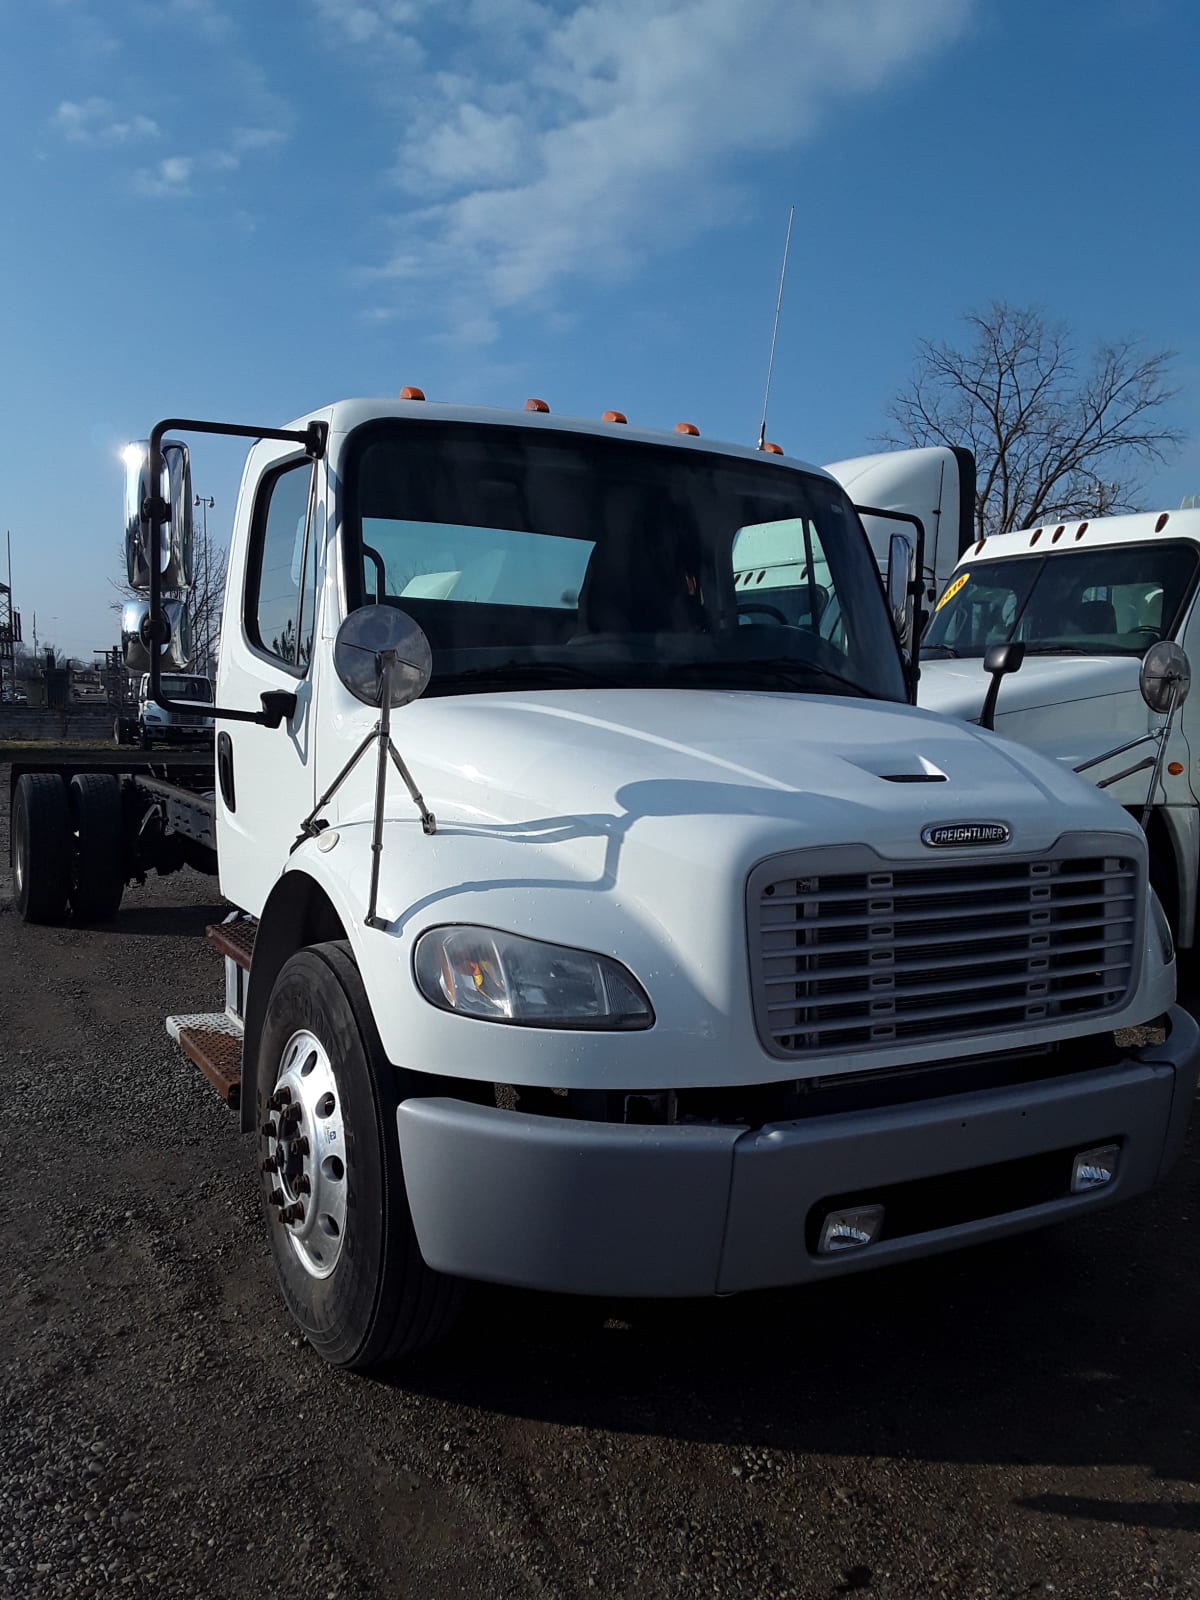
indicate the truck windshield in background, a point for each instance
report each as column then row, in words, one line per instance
column 556, row 560
column 176, row 687
column 1108, row 600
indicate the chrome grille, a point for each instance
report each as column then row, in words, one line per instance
column 885, row 954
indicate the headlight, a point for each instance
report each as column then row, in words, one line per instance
column 501, row 977
column 153, row 714
column 1162, row 927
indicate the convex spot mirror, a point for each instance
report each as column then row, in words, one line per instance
column 374, row 639
column 175, row 636
column 1165, row 667
column 173, row 537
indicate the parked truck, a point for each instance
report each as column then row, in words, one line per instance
column 147, row 723
column 1093, row 606
column 599, row 930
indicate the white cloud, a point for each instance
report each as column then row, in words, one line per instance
column 95, row 122
column 169, row 180
column 564, row 140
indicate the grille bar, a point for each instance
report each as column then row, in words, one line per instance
column 953, row 913
column 965, row 964
column 929, row 886
column 887, row 953
column 921, row 941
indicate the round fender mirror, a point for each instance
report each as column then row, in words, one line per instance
column 371, row 640
column 1165, row 666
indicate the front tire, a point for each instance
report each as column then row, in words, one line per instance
column 41, row 847
column 346, row 1256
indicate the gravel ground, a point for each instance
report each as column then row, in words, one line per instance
column 1018, row 1420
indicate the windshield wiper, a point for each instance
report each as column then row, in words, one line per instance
column 1061, row 650
column 781, row 670
column 538, row 674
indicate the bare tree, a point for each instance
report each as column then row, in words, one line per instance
column 1053, row 437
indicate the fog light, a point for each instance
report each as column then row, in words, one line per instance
column 1092, row 1169
column 850, row 1230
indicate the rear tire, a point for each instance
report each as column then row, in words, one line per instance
column 350, row 1269
column 98, row 876
column 41, row 847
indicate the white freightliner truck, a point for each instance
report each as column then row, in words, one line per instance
column 659, row 945
column 1094, row 604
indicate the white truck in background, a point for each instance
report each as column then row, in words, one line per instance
column 147, row 723
column 659, row 945
column 1091, row 603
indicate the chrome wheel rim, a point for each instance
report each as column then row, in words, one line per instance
column 306, row 1154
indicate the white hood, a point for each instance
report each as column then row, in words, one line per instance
column 1066, row 706
column 743, row 772
column 628, row 821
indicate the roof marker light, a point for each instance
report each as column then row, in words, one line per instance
column 1162, row 522
column 689, row 428
column 536, row 405
column 773, row 449
column 1057, row 534
column 979, row 547
column 410, row 392
column 1036, row 536
column 614, row 416
column 1081, row 530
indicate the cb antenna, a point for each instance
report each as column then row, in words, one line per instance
column 762, row 432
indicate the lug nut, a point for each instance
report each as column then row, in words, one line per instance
column 302, row 1184
column 290, row 1117
column 269, row 1130
column 282, row 1097
column 270, row 1165
column 277, row 1197
column 300, row 1146
column 292, row 1213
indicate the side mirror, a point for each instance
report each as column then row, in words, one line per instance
column 1166, row 676
column 999, row 660
column 901, row 573
column 378, row 645
column 173, row 539
column 174, row 635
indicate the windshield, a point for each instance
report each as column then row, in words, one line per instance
column 556, row 560
column 1109, row 600
column 177, row 688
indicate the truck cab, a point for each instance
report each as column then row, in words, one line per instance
column 609, row 922
column 1087, row 600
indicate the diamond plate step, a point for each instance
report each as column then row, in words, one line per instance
column 234, row 940
column 213, row 1041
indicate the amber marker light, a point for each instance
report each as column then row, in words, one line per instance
column 411, row 392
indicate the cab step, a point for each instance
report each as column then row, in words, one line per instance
column 213, row 1041
column 234, row 939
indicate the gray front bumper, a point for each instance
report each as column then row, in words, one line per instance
column 598, row 1208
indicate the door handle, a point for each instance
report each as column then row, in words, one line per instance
column 225, row 771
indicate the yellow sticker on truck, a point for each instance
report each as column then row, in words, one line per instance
column 953, row 589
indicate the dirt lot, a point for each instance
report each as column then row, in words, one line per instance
column 1019, row 1420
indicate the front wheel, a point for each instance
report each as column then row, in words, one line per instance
column 346, row 1256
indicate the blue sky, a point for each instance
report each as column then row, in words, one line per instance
column 245, row 211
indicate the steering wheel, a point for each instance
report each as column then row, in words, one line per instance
column 766, row 610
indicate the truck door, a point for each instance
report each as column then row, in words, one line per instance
column 265, row 776
column 936, row 484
